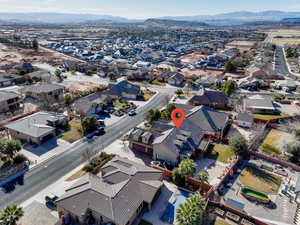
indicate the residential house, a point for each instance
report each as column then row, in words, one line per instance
column 11, row 79
column 44, row 92
column 9, row 102
column 176, row 79
column 167, row 143
column 286, row 85
column 210, row 98
column 255, row 71
column 91, row 104
column 70, row 65
column 124, row 89
column 116, row 195
column 259, row 105
column 24, row 67
column 37, row 128
column 244, row 120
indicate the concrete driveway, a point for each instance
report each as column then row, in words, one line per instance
column 45, row 151
column 37, row 214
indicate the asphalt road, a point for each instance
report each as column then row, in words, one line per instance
column 281, row 64
column 47, row 173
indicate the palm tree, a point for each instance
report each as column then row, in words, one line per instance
column 191, row 212
column 187, row 168
column 11, row 215
column 203, row 177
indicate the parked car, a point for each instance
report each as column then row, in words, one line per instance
column 50, row 201
column 100, row 131
column 132, row 113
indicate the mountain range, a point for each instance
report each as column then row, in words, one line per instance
column 221, row 19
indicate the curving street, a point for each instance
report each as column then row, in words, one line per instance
column 50, row 171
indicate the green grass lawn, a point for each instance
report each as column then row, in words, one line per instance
column 220, row 221
column 74, row 133
column 119, row 104
column 269, row 117
column 220, row 153
column 274, row 140
column 260, row 180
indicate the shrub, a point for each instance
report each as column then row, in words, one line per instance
column 6, row 164
column 19, row 159
column 88, row 168
column 177, row 178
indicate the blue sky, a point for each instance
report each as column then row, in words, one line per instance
column 147, row 8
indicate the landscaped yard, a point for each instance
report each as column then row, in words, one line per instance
column 147, row 94
column 275, row 141
column 260, row 180
column 120, row 105
column 74, row 133
column 270, row 117
column 220, row 221
column 220, row 153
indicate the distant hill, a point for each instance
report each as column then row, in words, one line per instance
column 58, row 18
column 291, row 20
column 238, row 17
column 165, row 22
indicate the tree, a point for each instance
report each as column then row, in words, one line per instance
column 166, row 114
column 111, row 75
column 179, row 92
column 230, row 66
column 153, row 115
column 11, row 215
column 294, row 150
column 187, row 168
column 68, row 98
column 239, row 145
column 89, row 124
column 191, row 212
column 57, row 73
column 35, row 45
column 228, row 87
column 203, row 177
column 10, row 147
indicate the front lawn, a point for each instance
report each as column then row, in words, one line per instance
column 260, row 180
column 220, row 153
column 220, row 221
column 74, row 133
column 269, row 117
column 147, row 94
column 120, row 105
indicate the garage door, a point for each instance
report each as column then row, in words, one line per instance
column 139, row 148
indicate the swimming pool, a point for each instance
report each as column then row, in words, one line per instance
column 169, row 215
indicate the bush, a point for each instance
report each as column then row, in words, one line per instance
column 88, row 168
column 19, row 159
column 177, row 178
column 6, row 164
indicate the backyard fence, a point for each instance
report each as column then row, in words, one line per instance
column 236, row 215
column 276, row 160
column 202, row 187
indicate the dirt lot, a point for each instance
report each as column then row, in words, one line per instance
column 191, row 58
column 200, row 73
column 276, row 140
column 79, row 86
column 290, row 36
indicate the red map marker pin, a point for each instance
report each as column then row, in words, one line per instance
column 177, row 117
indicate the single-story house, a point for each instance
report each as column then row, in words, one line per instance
column 44, row 92
column 210, row 98
column 117, row 194
column 176, row 79
column 244, row 120
column 91, row 104
column 124, row 89
column 11, row 79
column 37, row 128
column 9, row 101
column 259, row 105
